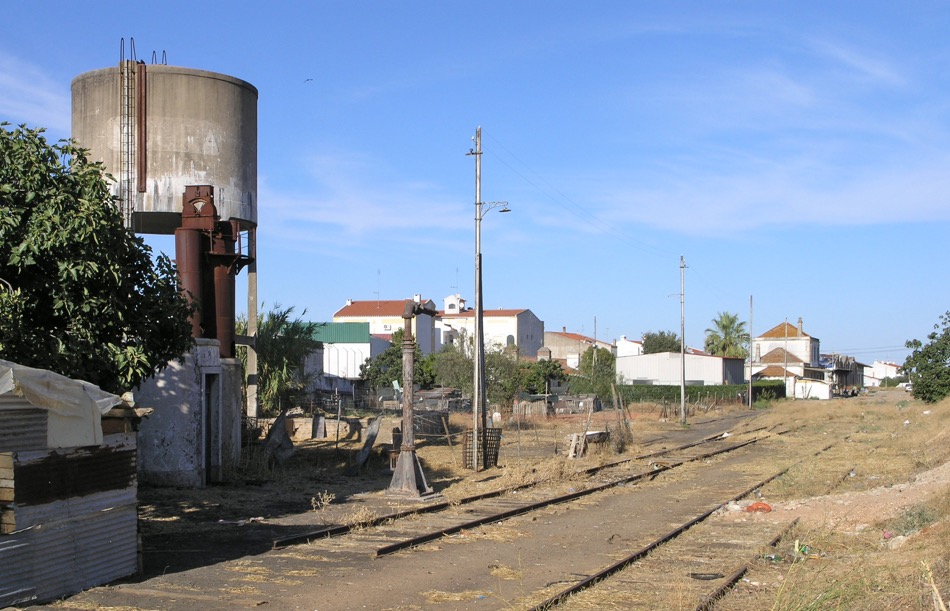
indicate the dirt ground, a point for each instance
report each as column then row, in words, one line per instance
column 888, row 460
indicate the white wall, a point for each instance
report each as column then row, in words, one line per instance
column 807, row 389
column 183, row 430
column 628, row 347
column 665, row 368
column 805, row 348
column 880, row 370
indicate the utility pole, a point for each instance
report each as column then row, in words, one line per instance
column 750, row 351
column 785, row 350
column 478, row 394
column 682, row 340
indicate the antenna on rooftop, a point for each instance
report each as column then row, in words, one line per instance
column 377, row 288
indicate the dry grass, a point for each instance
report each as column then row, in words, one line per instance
column 880, row 440
column 438, row 596
column 360, row 518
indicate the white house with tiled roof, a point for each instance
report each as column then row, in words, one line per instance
column 455, row 323
column 786, row 352
column 879, row 370
column 385, row 318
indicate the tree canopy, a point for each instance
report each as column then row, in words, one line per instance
column 537, row 375
column 282, row 343
column 727, row 336
column 79, row 293
column 596, row 373
column 928, row 366
column 660, row 341
column 453, row 368
column 381, row 371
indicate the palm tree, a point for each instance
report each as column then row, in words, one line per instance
column 283, row 342
column 727, row 337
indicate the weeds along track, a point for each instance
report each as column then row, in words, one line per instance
column 504, row 503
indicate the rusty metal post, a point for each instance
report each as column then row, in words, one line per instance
column 408, row 478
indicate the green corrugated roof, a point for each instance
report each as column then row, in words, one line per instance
column 342, row 332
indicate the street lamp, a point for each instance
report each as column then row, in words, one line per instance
column 478, row 399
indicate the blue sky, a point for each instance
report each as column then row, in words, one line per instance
column 795, row 152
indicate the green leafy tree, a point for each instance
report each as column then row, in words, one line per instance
column 425, row 370
column 381, row 371
column 536, row 376
column 928, row 366
column 660, row 341
column 80, row 294
column 282, row 344
column 596, row 373
column 454, row 369
column 727, row 336
column 502, row 376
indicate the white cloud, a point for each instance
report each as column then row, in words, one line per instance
column 860, row 63
column 716, row 204
column 345, row 202
column 28, row 95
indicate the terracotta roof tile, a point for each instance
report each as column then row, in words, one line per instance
column 577, row 337
column 383, row 307
column 783, row 330
column 778, row 355
column 773, row 371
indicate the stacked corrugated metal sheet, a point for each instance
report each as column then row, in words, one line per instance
column 67, row 515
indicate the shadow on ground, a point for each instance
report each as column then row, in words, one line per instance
column 183, row 528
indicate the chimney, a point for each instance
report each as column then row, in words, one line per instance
column 799, row 326
column 563, row 329
column 417, row 298
column 349, row 302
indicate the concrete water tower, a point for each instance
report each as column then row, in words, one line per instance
column 161, row 129
column 182, row 146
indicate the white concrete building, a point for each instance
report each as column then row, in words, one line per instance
column 193, row 436
column 385, row 318
column 665, row 368
column 786, row 351
column 880, row 370
column 503, row 327
column 346, row 346
column 628, row 347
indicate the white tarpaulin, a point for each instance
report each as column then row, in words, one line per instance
column 75, row 407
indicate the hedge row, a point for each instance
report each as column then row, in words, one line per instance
column 641, row 393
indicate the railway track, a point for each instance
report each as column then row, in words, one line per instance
column 523, row 505
column 438, row 542
column 687, row 499
column 629, row 533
